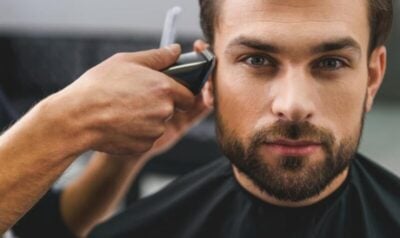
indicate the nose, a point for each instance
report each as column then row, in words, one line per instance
column 294, row 97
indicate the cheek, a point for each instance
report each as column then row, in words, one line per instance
column 342, row 104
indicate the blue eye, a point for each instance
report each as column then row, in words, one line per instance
column 330, row 64
column 257, row 61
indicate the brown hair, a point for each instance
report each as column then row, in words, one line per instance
column 380, row 19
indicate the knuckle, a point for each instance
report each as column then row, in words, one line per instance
column 167, row 110
column 163, row 89
column 165, row 86
column 121, row 56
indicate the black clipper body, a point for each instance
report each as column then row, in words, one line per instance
column 192, row 69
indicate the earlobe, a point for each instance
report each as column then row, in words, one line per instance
column 376, row 73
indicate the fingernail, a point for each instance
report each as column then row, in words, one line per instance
column 174, row 48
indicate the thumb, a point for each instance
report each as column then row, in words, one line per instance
column 158, row 59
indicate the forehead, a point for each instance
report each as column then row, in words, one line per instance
column 294, row 10
column 304, row 20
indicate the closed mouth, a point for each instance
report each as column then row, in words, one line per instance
column 293, row 147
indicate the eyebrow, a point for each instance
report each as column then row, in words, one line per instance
column 338, row 44
column 252, row 43
column 326, row 46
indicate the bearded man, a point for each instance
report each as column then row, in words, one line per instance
column 293, row 82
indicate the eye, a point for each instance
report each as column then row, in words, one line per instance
column 330, row 64
column 257, row 61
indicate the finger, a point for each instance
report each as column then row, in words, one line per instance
column 185, row 120
column 183, row 98
column 200, row 45
column 199, row 111
column 157, row 59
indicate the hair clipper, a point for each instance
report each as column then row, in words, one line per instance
column 191, row 69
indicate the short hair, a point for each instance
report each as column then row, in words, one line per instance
column 380, row 16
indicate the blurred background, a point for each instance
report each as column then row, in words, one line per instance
column 45, row 45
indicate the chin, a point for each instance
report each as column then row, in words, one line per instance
column 292, row 178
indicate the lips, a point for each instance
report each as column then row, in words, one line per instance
column 293, row 147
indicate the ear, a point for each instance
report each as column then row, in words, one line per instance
column 208, row 90
column 376, row 73
column 208, row 93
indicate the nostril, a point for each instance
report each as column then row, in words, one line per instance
column 281, row 115
column 293, row 106
column 294, row 115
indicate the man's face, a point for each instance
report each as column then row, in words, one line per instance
column 291, row 89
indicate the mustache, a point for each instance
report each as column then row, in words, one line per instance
column 289, row 130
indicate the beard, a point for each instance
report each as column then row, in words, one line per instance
column 293, row 178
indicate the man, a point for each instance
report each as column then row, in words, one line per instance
column 293, row 82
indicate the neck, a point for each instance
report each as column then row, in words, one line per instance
column 252, row 188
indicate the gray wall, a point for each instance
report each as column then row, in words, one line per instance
column 391, row 86
column 96, row 16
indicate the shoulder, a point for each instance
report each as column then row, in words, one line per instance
column 375, row 192
column 367, row 172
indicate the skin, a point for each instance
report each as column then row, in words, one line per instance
column 124, row 107
column 299, row 78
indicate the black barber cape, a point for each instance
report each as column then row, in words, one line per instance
column 210, row 203
column 44, row 219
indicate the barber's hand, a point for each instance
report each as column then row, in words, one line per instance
column 182, row 121
column 123, row 105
